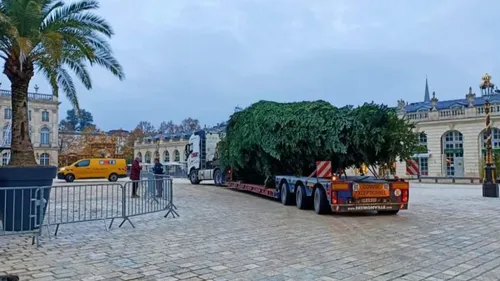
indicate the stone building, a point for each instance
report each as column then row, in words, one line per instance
column 43, row 118
column 168, row 148
column 452, row 131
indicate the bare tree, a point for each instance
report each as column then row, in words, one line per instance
column 146, row 128
column 190, row 125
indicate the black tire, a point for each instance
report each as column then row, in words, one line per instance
column 69, row 178
column 218, row 177
column 301, row 199
column 286, row 196
column 193, row 177
column 113, row 177
column 321, row 205
column 389, row 213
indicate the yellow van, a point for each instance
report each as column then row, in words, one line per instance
column 99, row 168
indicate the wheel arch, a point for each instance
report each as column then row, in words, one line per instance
column 297, row 184
column 283, row 181
column 316, row 186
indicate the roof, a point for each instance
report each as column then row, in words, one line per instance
column 493, row 96
column 447, row 104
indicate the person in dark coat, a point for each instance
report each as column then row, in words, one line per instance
column 135, row 176
column 158, row 172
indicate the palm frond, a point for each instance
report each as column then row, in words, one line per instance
column 80, row 69
column 58, row 37
column 108, row 61
column 66, row 82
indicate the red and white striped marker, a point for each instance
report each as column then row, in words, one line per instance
column 323, row 169
column 412, row 167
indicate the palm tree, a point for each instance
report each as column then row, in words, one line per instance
column 51, row 37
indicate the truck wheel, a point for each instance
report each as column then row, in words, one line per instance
column 218, row 177
column 391, row 212
column 301, row 198
column 286, row 196
column 321, row 205
column 193, row 177
column 69, row 178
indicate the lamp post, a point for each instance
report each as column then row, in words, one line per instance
column 490, row 186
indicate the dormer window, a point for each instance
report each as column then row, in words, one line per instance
column 423, row 110
column 457, row 107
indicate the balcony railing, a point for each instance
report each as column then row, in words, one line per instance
column 31, row 96
column 451, row 114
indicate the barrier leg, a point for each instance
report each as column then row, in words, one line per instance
column 126, row 219
column 105, row 224
column 48, row 231
column 171, row 210
column 57, row 230
column 111, row 224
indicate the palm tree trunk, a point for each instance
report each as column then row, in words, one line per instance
column 22, row 152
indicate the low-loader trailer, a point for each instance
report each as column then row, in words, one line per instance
column 325, row 191
column 335, row 194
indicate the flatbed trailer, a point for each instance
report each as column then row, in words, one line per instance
column 337, row 195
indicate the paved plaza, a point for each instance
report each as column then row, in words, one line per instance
column 449, row 233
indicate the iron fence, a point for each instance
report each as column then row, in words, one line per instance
column 31, row 209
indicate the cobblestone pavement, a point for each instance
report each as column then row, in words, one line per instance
column 449, row 233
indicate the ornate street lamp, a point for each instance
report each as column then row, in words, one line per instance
column 490, row 186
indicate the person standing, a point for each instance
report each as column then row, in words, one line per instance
column 158, row 172
column 135, row 176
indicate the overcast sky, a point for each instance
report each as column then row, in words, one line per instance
column 201, row 58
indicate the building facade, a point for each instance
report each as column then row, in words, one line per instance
column 168, row 148
column 452, row 132
column 43, row 119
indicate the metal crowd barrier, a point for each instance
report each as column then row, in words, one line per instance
column 31, row 209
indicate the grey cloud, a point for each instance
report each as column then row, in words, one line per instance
column 201, row 58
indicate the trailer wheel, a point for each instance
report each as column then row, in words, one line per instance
column 301, row 199
column 391, row 212
column 321, row 205
column 193, row 177
column 218, row 177
column 286, row 196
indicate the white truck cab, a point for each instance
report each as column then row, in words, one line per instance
column 201, row 157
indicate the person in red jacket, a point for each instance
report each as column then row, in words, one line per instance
column 135, row 176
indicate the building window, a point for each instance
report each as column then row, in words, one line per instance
column 177, row 156
column 422, row 139
column 45, row 116
column 139, row 155
column 44, row 159
column 6, row 135
column 7, row 114
column 495, row 138
column 45, row 136
column 166, row 156
column 454, row 153
column 423, row 164
column 5, row 158
column 147, row 157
